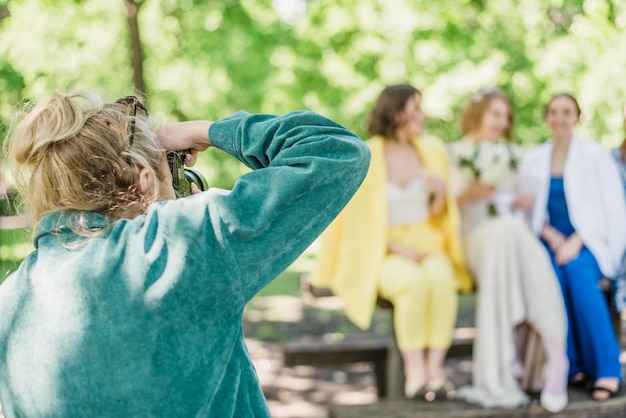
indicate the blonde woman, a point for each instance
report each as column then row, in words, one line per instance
column 398, row 238
column 131, row 304
column 515, row 281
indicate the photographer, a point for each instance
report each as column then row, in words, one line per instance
column 131, row 305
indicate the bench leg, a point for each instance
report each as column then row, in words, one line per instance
column 616, row 318
column 380, row 370
column 395, row 368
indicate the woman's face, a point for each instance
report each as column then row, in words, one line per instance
column 496, row 121
column 413, row 117
column 561, row 116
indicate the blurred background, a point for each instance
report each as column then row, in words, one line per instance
column 209, row 58
column 205, row 59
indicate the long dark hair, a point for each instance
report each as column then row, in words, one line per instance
column 384, row 117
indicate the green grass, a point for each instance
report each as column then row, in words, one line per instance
column 287, row 283
column 15, row 245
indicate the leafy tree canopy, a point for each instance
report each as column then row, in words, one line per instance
column 208, row 58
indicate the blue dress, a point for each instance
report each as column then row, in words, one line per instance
column 592, row 347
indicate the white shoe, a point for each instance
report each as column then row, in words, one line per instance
column 553, row 403
column 412, row 389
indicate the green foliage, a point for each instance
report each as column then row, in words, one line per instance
column 15, row 244
column 287, row 283
column 206, row 59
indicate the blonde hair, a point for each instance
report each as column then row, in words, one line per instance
column 477, row 106
column 72, row 153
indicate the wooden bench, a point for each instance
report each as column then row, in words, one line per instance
column 383, row 353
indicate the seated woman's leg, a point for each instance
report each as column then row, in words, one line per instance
column 576, row 373
column 403, row 282
column 492, row 256
column 599, row 349
column 440, row 316
column 545, row 312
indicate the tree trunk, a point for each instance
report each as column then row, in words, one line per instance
column 132, row 10
column 4, row 12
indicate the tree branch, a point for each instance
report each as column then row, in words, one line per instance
column 4, row 12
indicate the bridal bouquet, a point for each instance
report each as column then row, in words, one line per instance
column 488, row 164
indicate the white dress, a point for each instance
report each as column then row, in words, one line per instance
column 516, row 285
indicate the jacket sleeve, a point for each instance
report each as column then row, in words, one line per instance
column 305, row 169
column 614, row 205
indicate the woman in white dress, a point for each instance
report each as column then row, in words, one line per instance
column 517, row 288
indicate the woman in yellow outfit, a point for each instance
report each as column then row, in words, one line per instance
column 398, row 238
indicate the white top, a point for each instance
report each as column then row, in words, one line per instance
column 594, row 193
column 408, row 205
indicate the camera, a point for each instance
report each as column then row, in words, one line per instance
column 182, row 177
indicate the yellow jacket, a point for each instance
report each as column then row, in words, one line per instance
column 355, row 244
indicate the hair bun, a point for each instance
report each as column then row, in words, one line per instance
column 51, row 122
column 72, row 152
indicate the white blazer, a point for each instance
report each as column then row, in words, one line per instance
column 594, row 194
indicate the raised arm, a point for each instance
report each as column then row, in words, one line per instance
column 306, row 168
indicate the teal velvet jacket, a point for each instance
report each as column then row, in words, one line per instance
column 145, row 319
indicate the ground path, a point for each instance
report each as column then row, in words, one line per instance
column 307, row 392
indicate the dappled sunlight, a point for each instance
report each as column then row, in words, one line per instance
column 16, row 251
column 355, row 397
column 301, row 409
column 332, row 303
column 276, row 308
column 465, row 333
column 289, row 10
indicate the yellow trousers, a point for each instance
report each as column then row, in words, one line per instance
column 424, row 293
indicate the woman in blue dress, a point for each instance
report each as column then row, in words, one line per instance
column 579, row 211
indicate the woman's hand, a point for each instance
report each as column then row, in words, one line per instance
column 552, row 237
column 475, row 192
column 407, row 252
column 568, row 250
column 524, row 202
column 193, row 135
column 437, row 187
column 435, row 184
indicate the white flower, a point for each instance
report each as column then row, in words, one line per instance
column 485, row 162
column 463, row 149
column 493, row 163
